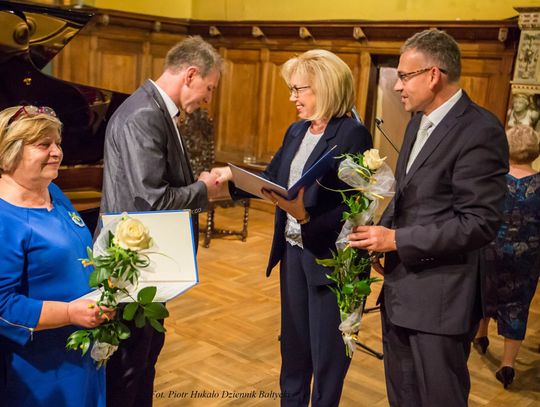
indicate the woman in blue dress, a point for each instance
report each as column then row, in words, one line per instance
column 514, row 257
column 41, row 275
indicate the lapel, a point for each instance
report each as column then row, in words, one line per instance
column 322, row 146
column 439, row 133
column 408, row 142
column 289, row 153
column 171, row 130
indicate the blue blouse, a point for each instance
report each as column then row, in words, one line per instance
column 40, row 260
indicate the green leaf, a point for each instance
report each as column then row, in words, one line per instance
column 85, row 345
column 363, row 288
column 146, row 295
column 130, row 310
column 326, row 262
column 156, row 325
column 122, row 331
column 76, row 338
column 110, row 239
column 93, row 279
column 155, row 310
column 98, row 276
column 140, row 319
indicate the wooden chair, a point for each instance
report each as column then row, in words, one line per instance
column 197, row 130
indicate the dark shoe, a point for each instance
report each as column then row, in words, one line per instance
column 481, row 343
column 505, row 375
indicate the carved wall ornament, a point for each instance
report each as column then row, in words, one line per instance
column 214, row 31
column 304, row 33
column 527, row 68
column 256, row 32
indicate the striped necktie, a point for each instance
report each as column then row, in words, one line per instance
column 421, row 138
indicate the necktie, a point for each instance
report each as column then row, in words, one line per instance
column 421, row 138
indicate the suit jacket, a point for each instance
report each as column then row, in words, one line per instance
column 325, row 207
column 145, row 167
column 446, row 208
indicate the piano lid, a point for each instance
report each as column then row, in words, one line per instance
column 30, row 36
column 40, row 30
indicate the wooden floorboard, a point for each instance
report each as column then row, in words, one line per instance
column 221, row 346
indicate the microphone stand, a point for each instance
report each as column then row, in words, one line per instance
column 379, row 122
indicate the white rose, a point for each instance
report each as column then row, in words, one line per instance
column 132, row 234
column 102, row 351
column 372, row 159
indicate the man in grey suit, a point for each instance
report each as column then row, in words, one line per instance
column 147, row 168
column 450, row 180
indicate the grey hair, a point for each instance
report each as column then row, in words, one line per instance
column 194, row 51
column 440, row 48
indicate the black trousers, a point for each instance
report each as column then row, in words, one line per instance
column 131, row 369
column 424, row 369
column 311, row 344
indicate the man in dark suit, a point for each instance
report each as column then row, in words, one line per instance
column 450, row 186
column 147, row 168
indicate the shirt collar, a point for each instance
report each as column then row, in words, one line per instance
column 438, row 114
column 171, row 106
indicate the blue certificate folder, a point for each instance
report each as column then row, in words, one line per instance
column 254, row 184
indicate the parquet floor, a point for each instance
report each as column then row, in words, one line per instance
column 222, row 349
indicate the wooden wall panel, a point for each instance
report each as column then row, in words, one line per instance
column 486, row 80
column 119, row 64
column 79, row 50
column 238, row 104
column 278, row 112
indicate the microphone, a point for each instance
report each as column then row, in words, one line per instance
column 379, row 121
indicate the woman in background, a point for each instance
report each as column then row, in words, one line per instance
column 314, row 363
column 514, row 257
column 41, row 276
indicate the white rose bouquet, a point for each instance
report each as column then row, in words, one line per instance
column 118, row 259
column 371, row 180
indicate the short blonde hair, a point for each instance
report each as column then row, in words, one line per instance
column 523, row 143
column 25, row 129
column 330, row 78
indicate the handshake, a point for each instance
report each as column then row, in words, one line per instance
column 216, row 182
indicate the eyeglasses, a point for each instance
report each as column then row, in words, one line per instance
column 31, row 111
column 405, row 76
column 295, row 90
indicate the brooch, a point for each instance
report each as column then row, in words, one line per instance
column 76, row 219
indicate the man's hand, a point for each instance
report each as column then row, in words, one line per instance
column 223, row 174
column 213, row 187
column 373, row 238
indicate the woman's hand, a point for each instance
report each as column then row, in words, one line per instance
column 84, row 313
column 294, row 207
column 87, row 314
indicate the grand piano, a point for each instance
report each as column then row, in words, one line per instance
column 30, row 37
